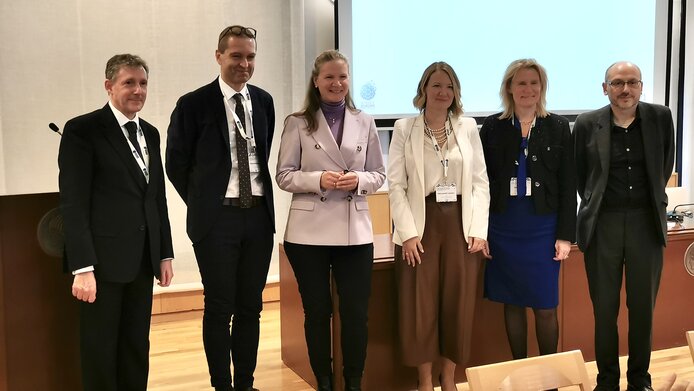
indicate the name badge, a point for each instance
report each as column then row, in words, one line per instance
column 514, row 186
column 446, row 193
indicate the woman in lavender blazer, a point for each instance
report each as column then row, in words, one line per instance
column 330, row 158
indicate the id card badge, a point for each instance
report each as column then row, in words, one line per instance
column 446, row 193
column 514, row 186
column 252, row 155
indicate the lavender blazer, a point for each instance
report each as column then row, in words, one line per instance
column 329, row 217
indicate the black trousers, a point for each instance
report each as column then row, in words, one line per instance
column 625, row 243
column 234, row 259
column 351, row 268
column 114, row 334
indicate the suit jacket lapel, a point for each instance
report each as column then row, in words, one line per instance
column 650, row 146
column 216, row 104
column 259, row 125
column 351, row 139
column 324, row 138
column 417, row 143
column 114, row 134
column 153, row 150
column 602, row 139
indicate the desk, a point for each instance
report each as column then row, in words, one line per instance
column 383, row 368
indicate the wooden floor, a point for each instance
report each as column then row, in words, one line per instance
column 177, row 360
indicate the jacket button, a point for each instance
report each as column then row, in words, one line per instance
column 322, row 199
column 317, row 146
column 349, row 198
column 537, row 184
column 142, row 228
column 549, row 148
column 534, row 158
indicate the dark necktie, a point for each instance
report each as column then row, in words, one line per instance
column 245, row 194
column 131, row 126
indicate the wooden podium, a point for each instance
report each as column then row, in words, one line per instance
column 39, row 323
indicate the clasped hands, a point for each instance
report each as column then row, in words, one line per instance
column 339, row 180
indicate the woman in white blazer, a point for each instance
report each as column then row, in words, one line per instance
column 439, row 200
column 330, row 158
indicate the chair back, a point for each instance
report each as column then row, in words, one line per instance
column 690, row 341
column 531, row 374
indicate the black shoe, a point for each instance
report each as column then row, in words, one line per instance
column 224, row 388
column 606, row 388
column 249, row 388
column 353, row 383
column 325, row 383
column 640, row 388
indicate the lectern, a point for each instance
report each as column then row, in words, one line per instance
column 39, row 323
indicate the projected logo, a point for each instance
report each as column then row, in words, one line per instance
column 368, row 90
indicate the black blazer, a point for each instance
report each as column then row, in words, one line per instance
column 550, row 165
column 592, row 151
column 108, row 208
column 198, row 156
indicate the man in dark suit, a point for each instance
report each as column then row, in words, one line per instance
column 624, row 158
column 116, row 224
column 217, row 159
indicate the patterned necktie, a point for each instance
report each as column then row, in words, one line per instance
column 245, row 194
column 131, row 126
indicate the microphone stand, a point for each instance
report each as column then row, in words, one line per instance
column 678, row 217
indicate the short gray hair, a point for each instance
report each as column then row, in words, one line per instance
column 119, row 61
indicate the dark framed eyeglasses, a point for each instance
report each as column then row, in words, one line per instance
column 619, row 84
column 238, row 30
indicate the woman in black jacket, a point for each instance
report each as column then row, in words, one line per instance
column 529, row 157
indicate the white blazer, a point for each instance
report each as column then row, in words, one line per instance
column 406, row 179
column 329, row 217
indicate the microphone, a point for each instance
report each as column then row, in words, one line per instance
column 678, row 217
column 55, row 128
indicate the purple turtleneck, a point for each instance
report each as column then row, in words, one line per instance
column 334, row 114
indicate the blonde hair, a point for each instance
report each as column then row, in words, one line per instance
column 312, row 100
column 505, row 93
column 420, row 100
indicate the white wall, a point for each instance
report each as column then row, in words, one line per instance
column 53, row 60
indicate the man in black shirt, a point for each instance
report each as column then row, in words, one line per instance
column 624, row 158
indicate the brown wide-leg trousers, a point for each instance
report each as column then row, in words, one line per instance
column 436, row 299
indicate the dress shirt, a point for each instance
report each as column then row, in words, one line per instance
column 122, row 120
column 433, row 169
column 627, row 183
column 230, row 106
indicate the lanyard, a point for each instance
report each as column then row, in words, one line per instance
column 442, row 158
column 527, row 138
column 237, row 121
column 139, row 159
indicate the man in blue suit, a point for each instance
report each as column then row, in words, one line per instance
column 217, row 155
column 624, row 158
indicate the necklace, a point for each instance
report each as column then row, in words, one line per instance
column 440, row 134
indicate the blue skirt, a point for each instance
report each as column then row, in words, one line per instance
column 522, row 271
